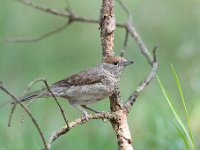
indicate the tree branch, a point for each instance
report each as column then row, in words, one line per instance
column 141, row 86
column 139, row 41
column 69, row 14
column 120, row 124
column 35, row 39
column 45, row 9
column 28, row 112
column 144, row 50
column 107, row 26
column 79, row 121
column 44, row 80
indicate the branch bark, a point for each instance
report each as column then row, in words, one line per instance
column 119, row 124
column 78, row 121
column 28, row 112
column 107, row 26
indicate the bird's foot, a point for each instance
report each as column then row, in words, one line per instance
column 84, row 117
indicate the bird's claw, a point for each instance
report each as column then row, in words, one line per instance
column 84, row 117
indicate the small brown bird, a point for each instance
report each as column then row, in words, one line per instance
column 88, row 86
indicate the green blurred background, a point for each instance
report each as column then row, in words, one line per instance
column 173, row 24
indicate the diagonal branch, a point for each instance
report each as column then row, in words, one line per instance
column 144, row 50
column 57, row 12
column 35, row 39
column 11, row 114
column 151, row 59
column 139, row 41
column 135, row 35
column 28, row 112
column 45, row 9
column 141, row 86
column 79, row 121
column 69, row 14
column 49, row 90
column 123, row 51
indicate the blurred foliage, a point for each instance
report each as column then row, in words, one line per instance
column 174, row 25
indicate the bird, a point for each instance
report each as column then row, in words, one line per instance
column 86, row 87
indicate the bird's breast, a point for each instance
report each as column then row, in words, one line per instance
column 85, row 94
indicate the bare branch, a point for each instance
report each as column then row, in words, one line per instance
column 142, row 86
column 55, row 98
column 56, row 12
column 132, row 31
column 11, row 114
column 28, row 112
column 143, row 48
column 139, row 41
column 60, row 107
column 63, row 14
column 107, row 26
column 69, row 14
column 35, row 39
column 123, row 51
column 154, row 52
column 120, row 124
column 124, row 7
column 79, row 121
column 45, row 9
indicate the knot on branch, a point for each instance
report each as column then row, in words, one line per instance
column 107, row 24
column 107, row 18
column 71, row 15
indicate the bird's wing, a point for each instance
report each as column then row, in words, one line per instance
column 90, row 76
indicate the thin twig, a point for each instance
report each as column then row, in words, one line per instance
column 139, row 41
column 72, row 18
column 64, row 14
column 132, row 31
column 154, row 52
column 60, row 107
column 48, row 88
column 125, row 44
column 143, row 84
column 45, row 9
column 35, row 39
column 143, row 48
column 27, row 111
column 11, row 114
column 58, row 12
column 78, row 121
column 124, row 7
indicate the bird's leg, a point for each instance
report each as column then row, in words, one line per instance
column 88, row 108
column 80, row 108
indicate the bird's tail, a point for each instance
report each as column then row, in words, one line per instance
column 29, row 97
column 37, row 94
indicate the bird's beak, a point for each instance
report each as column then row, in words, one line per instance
column 128, row 62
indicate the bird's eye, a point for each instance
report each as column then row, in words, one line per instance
column 115, row 63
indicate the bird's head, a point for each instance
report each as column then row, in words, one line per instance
column 115, row 64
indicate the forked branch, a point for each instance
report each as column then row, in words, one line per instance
column 69, row 14
column 79, row 121
column 28, row 112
